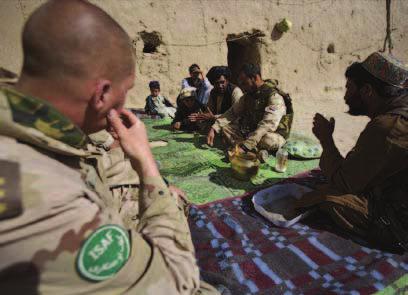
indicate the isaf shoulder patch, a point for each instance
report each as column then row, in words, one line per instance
column 104, row 253
column 10, row 190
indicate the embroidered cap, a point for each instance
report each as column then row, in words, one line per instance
column 386, row 68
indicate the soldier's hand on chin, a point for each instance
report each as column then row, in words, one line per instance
column 132, row 135
column 323, row 129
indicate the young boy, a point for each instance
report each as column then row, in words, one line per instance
column 157, row 104
column 189, row 107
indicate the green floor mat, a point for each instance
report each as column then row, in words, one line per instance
column 203, row 172
column 398, row 287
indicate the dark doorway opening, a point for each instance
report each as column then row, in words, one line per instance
column 151, row 41
column 240, row 51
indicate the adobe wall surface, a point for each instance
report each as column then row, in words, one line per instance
column 195, row 31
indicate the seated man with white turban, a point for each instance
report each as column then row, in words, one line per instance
column 188, row 106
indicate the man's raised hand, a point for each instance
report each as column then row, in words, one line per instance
column 323, row 129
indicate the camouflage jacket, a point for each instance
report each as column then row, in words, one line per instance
column 257, row 114
column 62, row 230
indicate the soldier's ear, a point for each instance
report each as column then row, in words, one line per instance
column 101, row 94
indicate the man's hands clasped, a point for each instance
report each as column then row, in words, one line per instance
column 199, row 117
column 323, row 129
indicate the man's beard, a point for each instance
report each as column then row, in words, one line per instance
column 357, row 110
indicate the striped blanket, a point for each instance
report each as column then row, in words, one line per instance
column 242, row 253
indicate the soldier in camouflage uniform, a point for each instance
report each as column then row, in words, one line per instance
column 64, row 228
column 261, row 120
column 123, row 180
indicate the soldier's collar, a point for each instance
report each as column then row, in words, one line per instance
column 258, row 91
column 36, row 113
column 266, row 87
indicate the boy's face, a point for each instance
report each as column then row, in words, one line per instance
column 189, row 102
column 154, row 92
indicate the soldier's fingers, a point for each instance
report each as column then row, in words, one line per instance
column 112, row 132
column 116, row 122
column 130, row 116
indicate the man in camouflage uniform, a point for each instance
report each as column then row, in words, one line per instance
column 122, row 179
column 261, row 120
column 64, row 229
column 367, row 193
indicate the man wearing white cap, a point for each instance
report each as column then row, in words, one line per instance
column 188, row 107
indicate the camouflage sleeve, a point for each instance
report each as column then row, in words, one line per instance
column 102, row 139
column 274, row 112
column 117, row 168
column 229, row 116
column 123, row 182
column 163, row 222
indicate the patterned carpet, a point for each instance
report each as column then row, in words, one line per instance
column 204, row 172
column 242, row 253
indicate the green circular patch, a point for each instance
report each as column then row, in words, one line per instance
column 104, row 253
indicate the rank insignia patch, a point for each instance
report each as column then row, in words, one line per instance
column 10, row 190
